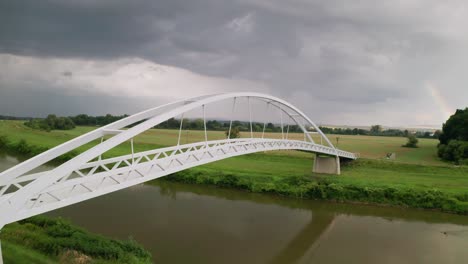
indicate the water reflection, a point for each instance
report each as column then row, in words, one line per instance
column 304, row 241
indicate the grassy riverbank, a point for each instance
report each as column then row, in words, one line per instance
column 417, row 178
column 364, row 181
column 42, row 240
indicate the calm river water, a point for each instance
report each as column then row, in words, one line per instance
column 182, row 223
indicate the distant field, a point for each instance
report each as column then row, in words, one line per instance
column 370, row 147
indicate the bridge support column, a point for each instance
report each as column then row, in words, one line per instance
column 327, row 165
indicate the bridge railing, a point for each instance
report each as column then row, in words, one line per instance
column 19, row 187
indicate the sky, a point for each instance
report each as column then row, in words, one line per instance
column 363, row 62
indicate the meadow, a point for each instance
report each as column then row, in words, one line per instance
column 414, row 171
column 368, row 147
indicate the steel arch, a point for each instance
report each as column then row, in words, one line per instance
column 12, row 205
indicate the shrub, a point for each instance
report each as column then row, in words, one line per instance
column 235, row 133
column 4, row 141
column 23, row 147
column 412, row 142
column 455, row 150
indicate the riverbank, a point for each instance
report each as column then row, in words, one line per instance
column 416, row 179
column 42, row 240
column 335, row 188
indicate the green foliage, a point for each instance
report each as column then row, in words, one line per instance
column 17, row 254
column 455, row 150
column 50, row 123
column 4, row 141
column 234, row 133
column 456, row 127
column 86, row 120
column 375, row 129
column 215, row 125
column 56, row 237
column 26, row 149
column 39, row 124
column 412, row 142
column 23, row 147
column 454, row 138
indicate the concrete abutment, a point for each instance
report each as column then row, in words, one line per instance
column 327, row 164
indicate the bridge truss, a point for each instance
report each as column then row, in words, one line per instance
column 25, row 193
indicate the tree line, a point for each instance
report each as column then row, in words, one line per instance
column 52, row 122
column 377, row 130
column 63, row 123
column 217, row 125
column 6, row 117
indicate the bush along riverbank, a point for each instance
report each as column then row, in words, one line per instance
column 42, row 239
column 323, row 188
column 23, row 148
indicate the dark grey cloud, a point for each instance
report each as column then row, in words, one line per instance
column 41, row 101
column 342, row 54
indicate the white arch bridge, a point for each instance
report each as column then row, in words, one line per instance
column 25, row 193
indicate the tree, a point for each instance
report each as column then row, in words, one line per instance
column 235, row 133
column 455, row 150
column 376, row 129
column 51, row 122
column 213, row 125
column 173, row 123
column 454, row 138
column 197, row 124
column 412, row 142
column 456, row 127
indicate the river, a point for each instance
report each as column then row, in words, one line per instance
column 181, row 223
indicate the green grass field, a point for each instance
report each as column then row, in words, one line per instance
column 369, row 147
column 413, row 168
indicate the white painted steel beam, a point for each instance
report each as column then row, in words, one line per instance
column 23, row 195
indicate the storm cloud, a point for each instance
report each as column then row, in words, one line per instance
column 342, row 62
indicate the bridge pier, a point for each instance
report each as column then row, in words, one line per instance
column 327, row 164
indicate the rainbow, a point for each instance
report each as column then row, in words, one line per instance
column 440, row 101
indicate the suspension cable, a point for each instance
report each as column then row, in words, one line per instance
column 281, row 119
column 100, row 155
column 264, row 123
column 204, row 124
column 133, row 152
column 250, row 117
column 232, row 116
column 180, row 128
